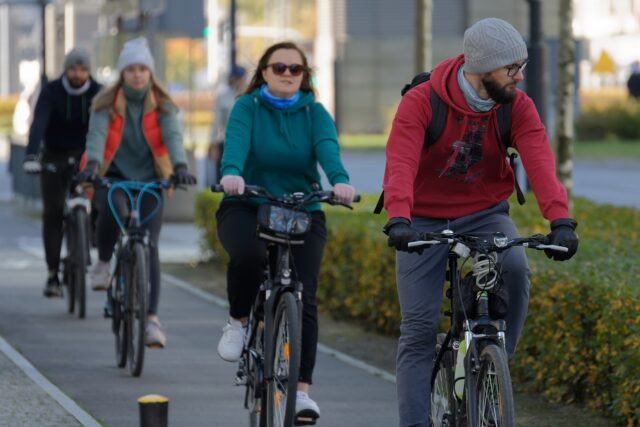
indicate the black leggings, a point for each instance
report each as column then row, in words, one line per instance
column 107, row 232
column 54, row 186
column 237, row 233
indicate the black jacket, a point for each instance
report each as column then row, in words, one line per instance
column 61, row 120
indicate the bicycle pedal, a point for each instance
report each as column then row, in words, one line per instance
column 240, row 380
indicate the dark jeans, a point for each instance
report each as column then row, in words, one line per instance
column 55, row 186
column 237, row 233
column 107, row 232
column 420, row 280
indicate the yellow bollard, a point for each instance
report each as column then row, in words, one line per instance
column 154, row 411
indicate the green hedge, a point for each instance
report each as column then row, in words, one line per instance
column 616, row 121
column 581, row 342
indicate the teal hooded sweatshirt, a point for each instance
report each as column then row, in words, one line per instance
column 280, row 150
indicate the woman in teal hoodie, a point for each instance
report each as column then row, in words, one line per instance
column 276, row 136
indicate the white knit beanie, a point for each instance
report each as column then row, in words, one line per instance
column 490, row 44
column 136, row 51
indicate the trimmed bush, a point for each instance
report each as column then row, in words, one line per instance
column 581, row 342
column 617, row 121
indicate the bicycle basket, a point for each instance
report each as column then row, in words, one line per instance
column 282, row 222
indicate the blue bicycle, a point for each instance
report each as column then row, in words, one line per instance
column 127, row 297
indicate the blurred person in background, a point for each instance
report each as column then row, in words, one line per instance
column 58, row 133
column 134, row 135
column 225, row 97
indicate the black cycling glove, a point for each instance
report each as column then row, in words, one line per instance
column 563, row 234
column 181, row 176
column 89, row 173
column 400, row 234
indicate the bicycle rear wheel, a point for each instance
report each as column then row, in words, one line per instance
column 137, row 308
column 493, row 389
column 80, row 259
column 285, row 361
column 442, row 398
column 256, row 397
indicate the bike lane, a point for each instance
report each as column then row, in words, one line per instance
column 78, row 355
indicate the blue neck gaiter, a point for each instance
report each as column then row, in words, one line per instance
column 476, row 103
column 277, row 102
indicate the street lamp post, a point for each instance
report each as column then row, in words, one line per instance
column 536, row 71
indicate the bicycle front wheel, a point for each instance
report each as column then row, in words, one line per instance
column 137, row 308
column 493, row 389
column 285, row 360
column 442, row 399
column 80, row 260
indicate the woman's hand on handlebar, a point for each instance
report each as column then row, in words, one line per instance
column 344, row 193
column 233, row 185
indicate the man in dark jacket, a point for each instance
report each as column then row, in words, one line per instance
column 462, row 182
column 58, row 133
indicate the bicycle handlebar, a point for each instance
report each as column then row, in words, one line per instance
column 294, row 199
column 498, row 243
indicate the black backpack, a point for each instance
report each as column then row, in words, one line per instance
column 439, row 111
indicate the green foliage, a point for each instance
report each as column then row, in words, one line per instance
column 581, row 342
column 617, row 121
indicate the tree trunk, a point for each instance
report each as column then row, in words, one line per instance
column 564, row 131
column 424, row 61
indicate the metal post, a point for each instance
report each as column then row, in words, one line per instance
column 536, row 71
column 232, row 34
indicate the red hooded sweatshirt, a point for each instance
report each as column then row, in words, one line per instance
column 465, row 170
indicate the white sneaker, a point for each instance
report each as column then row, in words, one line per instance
column 99, row 275
column 307, row 410
column 154, row 336
column 232, row 341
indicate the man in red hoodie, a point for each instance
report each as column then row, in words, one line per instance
column 462, row 182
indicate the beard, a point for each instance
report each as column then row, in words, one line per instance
column 76, row 82
column 500, row 94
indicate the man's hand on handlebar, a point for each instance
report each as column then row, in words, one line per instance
column 89, row 173
column 563, row 234
column 400, row 234
column 233, row 185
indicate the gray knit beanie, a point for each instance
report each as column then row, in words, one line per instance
column 490, row 44
column 136, row 51
column 77, row 56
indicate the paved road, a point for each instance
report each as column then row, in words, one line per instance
column 78, row 356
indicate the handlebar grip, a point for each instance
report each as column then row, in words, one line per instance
column 217, row 188
column 356, row 198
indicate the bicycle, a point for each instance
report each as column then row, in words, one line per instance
column 128, row 290
column 470, row 381
column 270, row 360
column 76, row 228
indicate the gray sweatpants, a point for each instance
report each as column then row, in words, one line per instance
column 420, row 280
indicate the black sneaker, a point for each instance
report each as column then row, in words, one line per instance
column 53, row 289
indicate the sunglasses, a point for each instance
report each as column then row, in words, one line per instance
column 279, row 68
column 513, row 69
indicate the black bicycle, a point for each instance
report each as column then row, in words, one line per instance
column 470, row 381
column 270, row 362
column 127, row 296
column 76, row 229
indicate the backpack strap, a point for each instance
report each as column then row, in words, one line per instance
column 504, row 129
column 435, row 127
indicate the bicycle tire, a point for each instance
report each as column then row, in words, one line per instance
column 494, row 406
column 442, row 399
column 80, row 257
column 137, row 308
column 119, row 320
column 68, row 276
column 285, row 360
column 256, row 396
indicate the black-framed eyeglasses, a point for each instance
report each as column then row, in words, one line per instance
column 513, row 69
column 279, row 68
